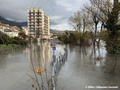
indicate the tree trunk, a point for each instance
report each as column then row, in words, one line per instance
column 2, row 40
column 100, row 35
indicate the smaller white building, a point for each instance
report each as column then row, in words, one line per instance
column 11, row 31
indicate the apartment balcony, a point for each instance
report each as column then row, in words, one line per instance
column 38, row 18
column 46, row 21
column 45, row 16
column 32, row 24
column 46, row 24
column 32, row 28
column 40, row 30
column 32, row 20
column 38, row 12
column 38, row 27
column 29, row 12
column 31, row 15
column 39, row 22
column 38, row 15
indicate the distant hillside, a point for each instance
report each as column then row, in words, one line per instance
column 12, row 23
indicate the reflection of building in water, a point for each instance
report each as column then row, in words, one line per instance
column 39, row 55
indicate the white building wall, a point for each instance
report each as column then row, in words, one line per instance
column 42, row 23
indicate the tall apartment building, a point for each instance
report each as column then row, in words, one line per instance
column 38, row 23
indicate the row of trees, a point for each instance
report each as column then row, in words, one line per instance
column 5, row 39
column 100, row 13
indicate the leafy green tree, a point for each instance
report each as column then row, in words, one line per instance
column 113, row 42
column 109, row 17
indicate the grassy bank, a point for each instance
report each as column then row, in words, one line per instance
column 3, row 46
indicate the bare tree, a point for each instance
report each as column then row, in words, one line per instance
column 80, row 21
column 104, row 7
column 75, row 21
column 85, row 20
column 94, row 15
column 1, row 37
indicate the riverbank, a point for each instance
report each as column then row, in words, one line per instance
column 3, row 46
column 76, row 38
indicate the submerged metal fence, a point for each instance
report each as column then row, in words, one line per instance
column 57, row 63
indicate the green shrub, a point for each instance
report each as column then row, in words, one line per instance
column 12, row 40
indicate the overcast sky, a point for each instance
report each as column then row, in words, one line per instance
column 59, row 11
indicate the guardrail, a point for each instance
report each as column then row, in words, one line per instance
column 57, row 63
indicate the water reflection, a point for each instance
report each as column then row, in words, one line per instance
column 9, row 53
column 39, row 54
column 89, row 66
column 13, row 65
column 42, row 55
column 84, row 66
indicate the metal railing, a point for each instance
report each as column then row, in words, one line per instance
column 57, row 63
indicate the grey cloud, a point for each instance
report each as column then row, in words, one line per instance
column 17, row 9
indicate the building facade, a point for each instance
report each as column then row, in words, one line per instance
column 11, row 31
column 38, row 23
column 25, row 29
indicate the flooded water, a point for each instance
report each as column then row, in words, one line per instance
column 88, row 67
column 85, row 66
